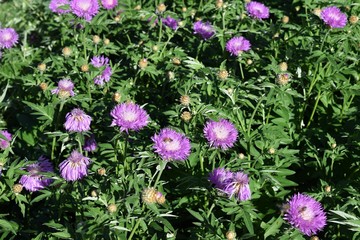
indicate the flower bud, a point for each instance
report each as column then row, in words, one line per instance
column 96, row 39
column 43, row 86
column 116, row 97
column 149, row 195
column 230, row 235
column 17, row 188
column 155, row 48
column 160, row 198
column 66, row 51
column 170, row 75
column 297, row 8
column 314, row 238
column 219, row 3
column 185, row 116
column 112, row 208
column 106, row 41
column 84, row 68
column 176, row 61
column 283, row 66
column 183, row 9
column 137, row 7
column 161, row 8
column 41, row 67
column 223, row 74
column 143, row 63
column 272, row 151
column 283, row 78
column 93, row 193
column 241, row 156
column 317, row 11
column 117, row 18
column 327, row 189
column 353, row 19
column 185, row 100
column 333, row 145
column 249, row 62
column 285, row 19
column 101, row 171
column 230, row 91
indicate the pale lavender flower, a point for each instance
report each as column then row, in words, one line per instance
column 99, row 61
column 77, row 121
column 104, row 77
column 306, row 214
column 5, row 143
column 86, row 9
column 171, row 145
column 221, row 134
column 129, row 116
column 170, row 22
column 205, row 30
column 75, row 167
column 220, row 177
column 109, row 4
column 56, row 6
column 64, row 89
column 90, row 144
column 8, row 37
column 237, row 45
column 257, row 10
column 333, row 17
column 35, row 181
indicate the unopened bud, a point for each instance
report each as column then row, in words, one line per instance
column 148, row 195
column 219, row 3
column 155, row 48
column 84, row 68
column 96, row 39
column 170, row 75
column 17, row 188
column 176, row 61
column 314, row 238
column 183, row 9
column 106, row 41
column 41, row 67
column 101, row 171
column 285, row 19
column 328, row 189
column 249, row 62
column 160, row 198
column 230, row 91
column 93, row 193
column 333, row 145
column 161, row 8
column 116, row 97
column 271, row 151
column 66, row 51
column 117, row 18
column 185, row 100
column 353, row 19
column 185, row 116
column 43, row 86
column 230, row 235
column 143, row 63
column 241, row 156
column 112, row 208
column 317, row 11
column 297, row 8
column 283, row 66
column 223, row 74
column 137, row 7
column 283, row 78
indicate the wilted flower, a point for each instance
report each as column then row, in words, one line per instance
column 86, row 9
column 109, row 4
column 64, row 89
column 170, row 22
column 8, row 37
column 90, row 144
column 77, row 121
column 205, row 30
column 237, row 45
column 257, row 10
column 333, row 17
column 74, row 167
column 171, row 145
column 129, row 116
column 35, row 181
column 99, row 61
column 221, row 134
column 56, row 6
column 305, row 214
column 5, row 143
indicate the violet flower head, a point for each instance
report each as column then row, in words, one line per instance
column 90, row 144
column 8, row 37
column 257, row 10
column 221, row 134
column 104, row 77
column 237, row 45
column 55, row 6
column 5, row 143
column 129, row 116
column 305, row 214
column 99, row 61
column 77, row 121
column 171, row 145
column 35, row 181
column 109, row 4
column 65, row 89
column 75, row 167
column 205, row 30
column 170, row 22
column 86, row 9
column 333, row 17
column 220, row 177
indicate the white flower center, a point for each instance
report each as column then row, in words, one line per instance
column 85, row 5
column 171, row 145
column 306, row 213
column 6, row 36
column 221, row 132
column 130, row 116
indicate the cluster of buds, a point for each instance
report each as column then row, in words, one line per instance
column 151, row 195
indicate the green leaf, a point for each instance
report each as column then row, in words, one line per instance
column 196, row 214
column 10, row 226
column 248, row 222
column 273, row 228
column 62, row 235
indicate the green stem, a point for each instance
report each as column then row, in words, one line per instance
column 313, row 111
column 56, row 125
column 160, row 31
column 162, row 167
column 167, row 42
column 125, row 152
column 241, row 69
column 199, row 48
column 134, row 228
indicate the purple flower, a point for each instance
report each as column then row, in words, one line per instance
column 55, row 6
column 129, row 116
column 86, row 9
column 77, row 121
column 237, row 45
column 104, row 77
column 205, row 30
column 5, row 139
column 171, row 145
column 170, row 22
column 305, row 214
column 333, row 17
column 35, row 181
column 257, row 10
column 231, row 183
column 99, row 61
column 74, row 167
column 90, row 144
column 109, row 4
column 8, row 37
column 64, row 89
column 221, row 134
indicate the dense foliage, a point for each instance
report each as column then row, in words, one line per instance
column 180, row 120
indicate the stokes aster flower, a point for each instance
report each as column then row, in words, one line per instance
column 5, row 143
column 231, row 183
column 205, row 30
column 64, row 89
column 86, row 9
column 221, row 134
column 257, row 10
column 170, row 22
column 237, row 45
column 109, row 4
column 333, row 17
column 55, row 6
column 305, row 214
column 171, row 145
column 99, row 61
column 75, row 167
column 90, row 144
column 129, row 116
column 8, row 37
column 35, row 181
column 104, row 77
column 77, row 121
